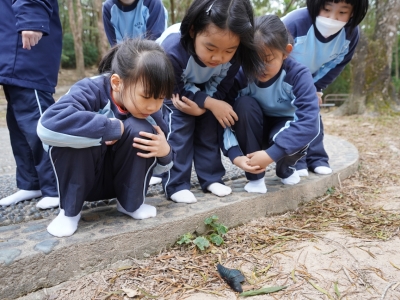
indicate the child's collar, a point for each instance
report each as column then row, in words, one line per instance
column 120, row 109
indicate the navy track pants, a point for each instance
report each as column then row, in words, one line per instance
column 24, row 108
column 104, row 172
column 255, row 132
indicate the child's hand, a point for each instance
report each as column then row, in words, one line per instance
column 222, row 111
column 319, row 95
column 30, row 38
column 109, row 143
column 156, row 145
column 260, row 159
column 187, row 106
column 242, row 162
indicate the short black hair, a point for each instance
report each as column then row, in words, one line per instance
column 236, row 16
column 360, row 8
column 144, row 60
column 270, row 31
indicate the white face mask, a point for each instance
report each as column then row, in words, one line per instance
column 328, row 27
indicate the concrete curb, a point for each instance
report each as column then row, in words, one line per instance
column 33, row 259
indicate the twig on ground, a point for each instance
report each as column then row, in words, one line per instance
column 347, row 275
column 386, row 289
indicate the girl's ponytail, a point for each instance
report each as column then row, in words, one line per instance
column 106, row 62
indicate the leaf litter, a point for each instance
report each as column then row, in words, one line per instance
column 343, row 245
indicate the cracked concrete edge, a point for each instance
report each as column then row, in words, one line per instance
column 72, row 261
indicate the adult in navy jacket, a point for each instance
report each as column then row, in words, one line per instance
column 30, row 53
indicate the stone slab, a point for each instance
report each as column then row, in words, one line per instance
column 31, row 259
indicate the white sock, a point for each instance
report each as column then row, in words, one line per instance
column 19, row 196
column 154, row 180
column 145, row 211
column 292, row 179
column 302, row 172
column 48, row 202
column 183, row 196
column 323, row 170
column 256, row 186
column 63, row 226
column 219, row 189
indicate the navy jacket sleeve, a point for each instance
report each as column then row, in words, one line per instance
column 76, row 119
column 33, row 15
column 108, row 27
column 225, row 82
column 305, row 126
column 157, row 21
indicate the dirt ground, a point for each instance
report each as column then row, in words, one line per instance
column 343, row 245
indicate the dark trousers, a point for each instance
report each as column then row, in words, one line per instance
column 316, row 154
column 194, row 139
column 255, row 132
column 24, row 108
column 104, row 172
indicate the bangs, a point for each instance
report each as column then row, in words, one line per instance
column 352, row 2
column 156, row 75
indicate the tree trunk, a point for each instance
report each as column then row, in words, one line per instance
column 380, row 93
column 172, row 9
column 75, row 23
column 355, row 105
column 396, row 57
column 102, row 42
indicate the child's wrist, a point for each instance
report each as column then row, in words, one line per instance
column 209, row 103
column 167, row 153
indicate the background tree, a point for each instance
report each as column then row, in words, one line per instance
column 372, row 82
column 176, row 9
column 101, row 38
column 75, row 24
column 380, row 91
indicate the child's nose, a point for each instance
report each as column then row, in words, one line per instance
column 153, row 106
column 217, row 57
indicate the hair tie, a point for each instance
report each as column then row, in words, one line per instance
column 208, row 11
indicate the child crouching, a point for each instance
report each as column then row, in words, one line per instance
column 106, row 135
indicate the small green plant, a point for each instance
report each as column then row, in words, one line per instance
column 185, row 239
column 331, row 190
column 214, row 236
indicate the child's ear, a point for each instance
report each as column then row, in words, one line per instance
column 115, row 82
column 289, row 49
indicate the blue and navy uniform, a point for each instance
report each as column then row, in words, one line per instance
column 142, row 19
column 194, row 138
column 77, row 127
column 326, row 58
column 29, row 78
column 280, row 115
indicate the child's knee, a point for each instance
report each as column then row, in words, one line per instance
column 246, row 104
column 132, row 127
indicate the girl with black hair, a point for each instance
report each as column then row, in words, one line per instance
column 214, row 39
column 278, row 112
column 325, row 34
column 106, row 135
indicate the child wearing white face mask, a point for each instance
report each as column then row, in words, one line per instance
column 325, row 35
